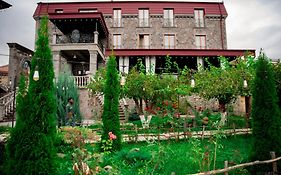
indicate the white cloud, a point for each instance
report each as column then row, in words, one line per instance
column 254, row 24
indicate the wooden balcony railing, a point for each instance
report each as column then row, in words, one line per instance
column 81, row 81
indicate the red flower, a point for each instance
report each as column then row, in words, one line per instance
column 177, row 115
column 111, row 136
column 158, row 108
column 152, row 112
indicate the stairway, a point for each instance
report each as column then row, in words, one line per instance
column 7, row 107
column 121, row 106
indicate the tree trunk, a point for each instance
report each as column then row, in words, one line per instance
column 137, row 106
column 248, row 110
column 222, row 108
column 141, row 110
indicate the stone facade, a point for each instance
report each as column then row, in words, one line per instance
column 96, row 37
column 184, row 30
column 19, row 62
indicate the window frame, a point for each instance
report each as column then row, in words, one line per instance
column 117, row 20
column 88, row 10
column 117, row 44
column 58, row 10
column 199, row 17
column 199, row 38
column 168, row 21
column 144, row 45
column 143, row 17
column 169, row 37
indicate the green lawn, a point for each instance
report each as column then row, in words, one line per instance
column 166, row 157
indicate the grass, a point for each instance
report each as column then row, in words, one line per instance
column 166, row 157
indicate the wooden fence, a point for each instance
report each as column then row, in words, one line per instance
column 156, row 133
column 226, row 168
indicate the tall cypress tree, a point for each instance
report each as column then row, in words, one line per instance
column 65, row 89
column 266, row 120
column 32, row 150
column 110, row 116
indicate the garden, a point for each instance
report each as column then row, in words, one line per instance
column 163, row 134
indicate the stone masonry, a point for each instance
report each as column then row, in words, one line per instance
column 184, row 30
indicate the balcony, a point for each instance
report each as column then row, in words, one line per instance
column 70, row 38
column 78, row 42
column 81, row 81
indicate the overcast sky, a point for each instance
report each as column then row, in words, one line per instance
column 251, row 24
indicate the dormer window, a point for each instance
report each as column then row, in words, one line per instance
column 143, row 17
column 59, row 11
column 117, row 18
column 88, row 10
column 168, row 17
column 199, row 17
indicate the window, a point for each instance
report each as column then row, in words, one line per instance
column 143, row 18
column 59, row 11
column 117, row 41
column 169, row 41
column 200, row 41
column 168, row 17
column 88, row 10
column 144, row 41
column 199, row 17
column 117, row 18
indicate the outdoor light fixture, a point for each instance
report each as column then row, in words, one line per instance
column 192, row 83
column 36, row 74
column 245, row 83
column 123, row 80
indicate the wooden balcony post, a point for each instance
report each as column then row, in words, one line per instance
column 93, row 61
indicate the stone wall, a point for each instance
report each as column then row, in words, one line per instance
column 184, row 31
column 18, row 55
column 89, row 105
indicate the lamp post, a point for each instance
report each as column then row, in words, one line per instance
column 13, row 89
column 192, row 83
column 247, row 103
column 36, row 72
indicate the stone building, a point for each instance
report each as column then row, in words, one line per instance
column 83, row 34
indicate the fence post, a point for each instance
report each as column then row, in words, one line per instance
column 158, row 136
column 203, row 130
column 226, row 166
column 274, row 164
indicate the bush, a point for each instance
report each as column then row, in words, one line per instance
column 134, row 117
column 135, row 156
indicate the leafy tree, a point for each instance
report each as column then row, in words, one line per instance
column 277, row 73
column 265, row 115
column 219, row 83
column 134, row 88
column 65, row 89
column 110, row 116
column 30, row 149
column 154, row 89
column 98, row 83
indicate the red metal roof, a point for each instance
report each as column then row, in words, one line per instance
column 178, row 52
column 131, row 7
column 94, row 15
column 4, row 69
